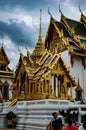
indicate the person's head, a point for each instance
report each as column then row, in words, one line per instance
column 54, row 114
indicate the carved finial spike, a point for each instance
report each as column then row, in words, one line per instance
column 49, row 11
column 19, row 50
column 26, row 48
column 2, row 44
column 60, row 10
column 80, row 9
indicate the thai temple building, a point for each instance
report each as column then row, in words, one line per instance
column 57, row 67
column 6, row 76
column 52, row 78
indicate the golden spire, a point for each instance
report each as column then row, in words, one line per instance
column 40, row 30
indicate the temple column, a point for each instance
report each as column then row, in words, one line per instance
column 71, row 91
column 56, row 86
column 59, row 92
column 52, row 83
column 39, row 88
column 49, row 86
column 29, row 86
column 35, row 87
column 44, row 86
column 26, row 86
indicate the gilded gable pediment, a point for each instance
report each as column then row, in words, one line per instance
column 3, row 57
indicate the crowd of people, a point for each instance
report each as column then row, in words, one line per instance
column 57, row 124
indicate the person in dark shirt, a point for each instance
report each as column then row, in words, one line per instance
column 55, row 116
column 57, row 124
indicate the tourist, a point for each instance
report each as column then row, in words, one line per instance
column 71, row 125
column 83, row 126
column 57, row 124
column 49, row 126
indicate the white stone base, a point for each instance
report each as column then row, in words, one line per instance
column 35, row 115
column 3, row 123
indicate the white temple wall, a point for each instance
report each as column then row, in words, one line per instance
column 66, row 57
column 6, row 79
column 84, row 80
column 77, row 71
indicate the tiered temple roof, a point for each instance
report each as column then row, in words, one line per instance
column 71, row 32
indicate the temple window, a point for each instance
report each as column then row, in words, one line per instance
column 68, row 84
column 0, row 89
column 3, row 67
column 5, row 93
column 23, row 76
column 31, row 88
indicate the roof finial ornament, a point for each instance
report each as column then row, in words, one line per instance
column 2, row 44
column 80, row 10
column 28, row 53
column 19, row 50
column 60, row 10
column 26, row 48
column 49, row 12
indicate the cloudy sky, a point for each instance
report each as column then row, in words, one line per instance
column 19, row 22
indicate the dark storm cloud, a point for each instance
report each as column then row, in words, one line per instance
column 27, row 4
column 19, row 33
column 36, row 4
